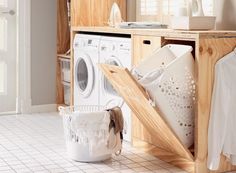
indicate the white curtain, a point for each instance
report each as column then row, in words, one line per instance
column 161, row 10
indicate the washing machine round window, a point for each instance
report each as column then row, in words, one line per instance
column 84, row 75
column 106, row 84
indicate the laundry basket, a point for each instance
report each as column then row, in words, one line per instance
column 79, row 138
column 168, row 77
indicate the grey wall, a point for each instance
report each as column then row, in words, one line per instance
column 225, row 12
column 43, row 51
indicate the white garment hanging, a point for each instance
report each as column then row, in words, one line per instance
column 222, row 124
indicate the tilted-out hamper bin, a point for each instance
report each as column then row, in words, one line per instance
column 79, row 149
column 168, row 76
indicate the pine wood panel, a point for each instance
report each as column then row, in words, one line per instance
column 63, row 44
column 81, row 13
column 72, row 72
column 60, row 88
column 94, row 12
column 167, row 33
column 210, row 51
column 99, row 12
column 164, row 155
column 136, row 98
column 140, row 51
column 63, row 31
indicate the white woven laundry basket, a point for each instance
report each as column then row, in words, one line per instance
column 77, row 148
column 168, row 77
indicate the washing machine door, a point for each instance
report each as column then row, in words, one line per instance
column 107, row 87
column 84, row 74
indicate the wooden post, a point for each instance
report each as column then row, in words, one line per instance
column 210, row 51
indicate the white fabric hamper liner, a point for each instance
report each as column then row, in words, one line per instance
column 168, row 77
column 87, row 134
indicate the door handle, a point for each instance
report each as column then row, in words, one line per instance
column 147, row 42
column 11, row 12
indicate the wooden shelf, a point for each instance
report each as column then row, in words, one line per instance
column 63, row 45
column 63, row 56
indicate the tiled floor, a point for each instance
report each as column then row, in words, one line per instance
column 35, row 144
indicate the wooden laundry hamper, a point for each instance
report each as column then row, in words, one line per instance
column 207, row 51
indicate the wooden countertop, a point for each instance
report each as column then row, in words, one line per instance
column 159, row 32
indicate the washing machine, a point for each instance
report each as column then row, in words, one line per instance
column 115, row 51
column 86, row 77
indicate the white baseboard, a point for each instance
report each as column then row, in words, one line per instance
column 8, row 113
column 24, row 107
column 43, row 108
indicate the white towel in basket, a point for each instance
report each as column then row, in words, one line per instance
column 91, row 128
column 112, row 146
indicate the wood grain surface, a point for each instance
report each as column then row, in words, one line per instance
column 137, row 100
column 94, row 12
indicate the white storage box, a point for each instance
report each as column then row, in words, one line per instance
column 168, row 76
column 66, row 93
column 193, row 23
column 87, row 127
column 65, row 69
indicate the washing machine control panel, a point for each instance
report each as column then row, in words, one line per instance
column 115, row 47
column 86, row 43
column 108, row 46
column 93, row 43
column 90, row 43
column 124, row 47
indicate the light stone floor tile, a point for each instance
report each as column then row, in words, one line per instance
column 133, row 165
column 34, row 143
column 162, row 171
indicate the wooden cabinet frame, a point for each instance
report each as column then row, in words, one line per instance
column 63, row 45
column 209, row 47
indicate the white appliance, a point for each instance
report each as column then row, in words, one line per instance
column 115, row 51
column 86, row 78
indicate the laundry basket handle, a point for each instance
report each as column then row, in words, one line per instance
column 120, row 105
column 64, row 110
column 61, row 110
